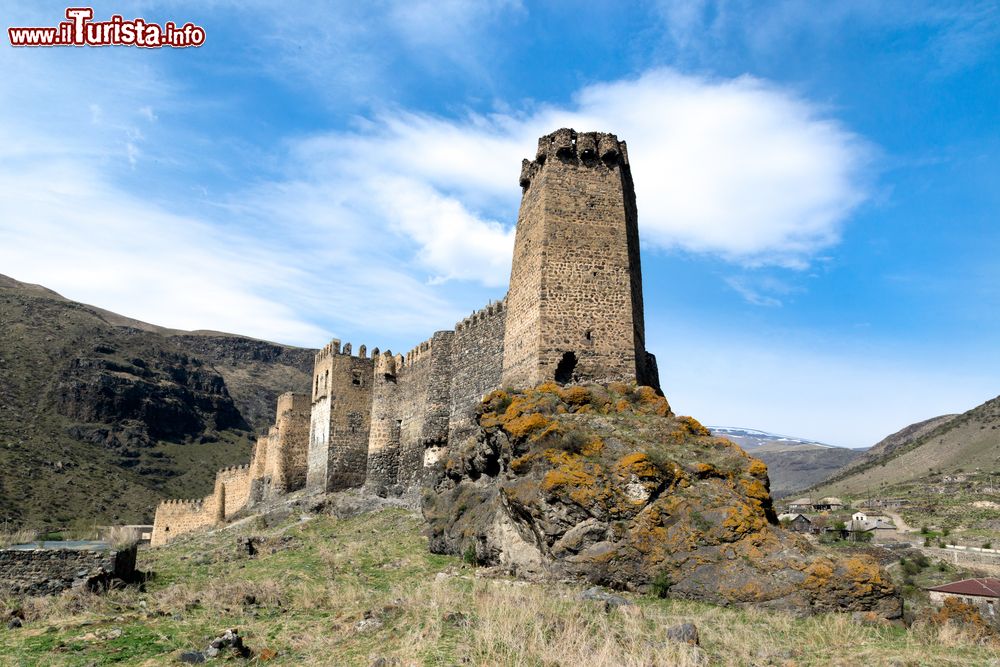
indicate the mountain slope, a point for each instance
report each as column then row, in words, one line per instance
column 793, row 464
column 102, row 415
column 946, row 444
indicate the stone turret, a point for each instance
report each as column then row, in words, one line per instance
column 574, row 309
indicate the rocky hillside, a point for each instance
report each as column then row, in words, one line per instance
column 101, row 415
column 606, row 484
column 793, row 464
column 948, row 444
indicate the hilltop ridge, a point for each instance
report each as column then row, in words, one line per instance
column 101, row 415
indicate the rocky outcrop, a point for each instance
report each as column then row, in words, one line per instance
column 173, row 396
column 606, row 484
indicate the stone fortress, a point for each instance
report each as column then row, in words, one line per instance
column 573, row 313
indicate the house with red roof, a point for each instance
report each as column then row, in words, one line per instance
column 983, row 593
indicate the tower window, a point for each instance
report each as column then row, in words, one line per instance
column 587, row 335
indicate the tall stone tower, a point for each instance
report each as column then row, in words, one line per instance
column 574, row 309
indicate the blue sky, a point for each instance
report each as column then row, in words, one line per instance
column 817, row 182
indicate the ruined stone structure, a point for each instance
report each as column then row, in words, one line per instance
column 50, row 570
column 573, row 314
column 278, row 466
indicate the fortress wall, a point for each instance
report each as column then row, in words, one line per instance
column 232, row 489
column 259, row 456
column 287, row 464
column 340, row 419
column 476, row 364
column 176, row 517
column 410, row 411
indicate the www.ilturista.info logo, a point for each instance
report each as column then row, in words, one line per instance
column 79, row 30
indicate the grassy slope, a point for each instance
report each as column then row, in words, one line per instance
column 964, row 443
column 307, row 599
column 52, row 479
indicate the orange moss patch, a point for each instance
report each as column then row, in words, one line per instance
column 638, row 464
column 693, row 426
column 705, row 470
column 594, row 447
column 575, row 395
column 964, row 616
column 755, row 489
column 744, row 519
column 525, row 425
column 819, row 574
column 757, row 468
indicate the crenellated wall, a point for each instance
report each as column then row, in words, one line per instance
column 176, row 517
column 278, row 465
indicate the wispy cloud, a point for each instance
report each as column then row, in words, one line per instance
column 371, row 229
column 955, row 35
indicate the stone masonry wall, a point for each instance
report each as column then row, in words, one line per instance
column 476, row 364
column 286, row 463
column 232, row 489
column 176, row 517
column 410, row 411
column 48, row 571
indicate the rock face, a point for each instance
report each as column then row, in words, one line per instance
column 604, row 483
column 102, row 415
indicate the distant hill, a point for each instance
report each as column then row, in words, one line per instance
column 945, row 444
column 793, row 463
column 102, row 415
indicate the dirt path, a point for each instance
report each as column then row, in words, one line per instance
column 902, row 529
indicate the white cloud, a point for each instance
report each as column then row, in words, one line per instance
column 358, row 230
column 736, row 168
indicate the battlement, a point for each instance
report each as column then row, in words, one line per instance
column 334, row 347
column 189, row 502
column 291, row 400
column 419, row 352
column 590, row 149
column 493, row 309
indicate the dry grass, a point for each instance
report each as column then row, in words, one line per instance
column 352, row 591
column 121, row 537
column 21, row 536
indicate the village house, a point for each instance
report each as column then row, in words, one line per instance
column 796, row 522
column 830, row 504
column 801, row 505
column 982, row 593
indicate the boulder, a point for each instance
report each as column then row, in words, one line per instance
column 605, row 484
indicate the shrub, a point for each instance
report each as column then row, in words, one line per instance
column 924, row 530
column 573, row 442
column 661, row 584
column 469, row 555
column 987, row 545
column 945, row 532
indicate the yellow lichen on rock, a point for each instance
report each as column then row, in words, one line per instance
column 757, row 468
column 693, row 426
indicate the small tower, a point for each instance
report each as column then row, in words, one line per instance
column 574, row 309
column 340, row 418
